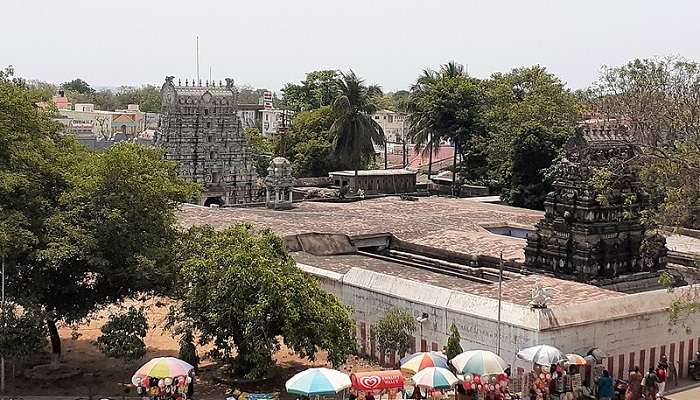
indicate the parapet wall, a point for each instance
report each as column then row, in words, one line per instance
column 633, row 330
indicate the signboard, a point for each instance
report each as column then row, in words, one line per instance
column 267, row 100
column 377, row 380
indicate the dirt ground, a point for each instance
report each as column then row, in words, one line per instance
column 104, row 376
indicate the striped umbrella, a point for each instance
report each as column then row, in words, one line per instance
column 575, row 359
column 417, row 361
column 479, row 362
column 435, row 378
column 318, row 382
column 542, row 355
column 164, row 367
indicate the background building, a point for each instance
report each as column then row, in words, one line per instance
column 394, row 124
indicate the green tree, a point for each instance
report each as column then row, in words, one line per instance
column 188, row 350
column 658, row 101
column 454, row 348
column 147, row 97
column 243, row 294
column 317, row 90
column 447, row 106
column 395, row 331
column 262, row 149
column 122, row 335
column 355, row 131
column 22, row 333
column 310, row 143
column 78, row 85
column 525, row 107
column 79, row 229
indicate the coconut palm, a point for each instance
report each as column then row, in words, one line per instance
column 355, row 132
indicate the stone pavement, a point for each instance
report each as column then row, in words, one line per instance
column 686, row 394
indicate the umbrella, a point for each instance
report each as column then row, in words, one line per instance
column 417, row 361
column 479, row 362
column 542, row 355
column 318, row 382
column 575, row 359
column 164, row 367
column 436, row 378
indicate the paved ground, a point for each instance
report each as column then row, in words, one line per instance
column 688, row 394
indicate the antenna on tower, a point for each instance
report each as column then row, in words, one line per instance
column 210, row 74
column 197, row 51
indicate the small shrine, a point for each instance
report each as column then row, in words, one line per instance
column 278, row 184
column 586, row 234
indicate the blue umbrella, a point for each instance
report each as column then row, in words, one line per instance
column 318, row 382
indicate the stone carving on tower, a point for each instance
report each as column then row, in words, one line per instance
column 278, row 184
column 200, row 130
column 583, row 235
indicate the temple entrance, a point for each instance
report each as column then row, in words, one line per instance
column 214, row 200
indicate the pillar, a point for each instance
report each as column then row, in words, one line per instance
column 290, row 195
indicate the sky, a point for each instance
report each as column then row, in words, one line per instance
column 267, row 43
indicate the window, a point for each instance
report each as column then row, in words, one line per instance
column 206, row 111
column 208, row 124
column 212, row 155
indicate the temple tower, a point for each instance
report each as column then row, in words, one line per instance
column 200, row 129
column 586, row 234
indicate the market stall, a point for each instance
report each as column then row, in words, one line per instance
column 164, row 378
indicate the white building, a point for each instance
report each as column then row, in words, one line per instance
column 394, row 124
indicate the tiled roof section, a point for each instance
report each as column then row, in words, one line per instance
column 453, row 224
column 517, row 291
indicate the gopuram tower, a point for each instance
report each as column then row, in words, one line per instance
column 585, row 234
column 200, row 129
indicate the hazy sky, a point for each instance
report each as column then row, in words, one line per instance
column 266, row 43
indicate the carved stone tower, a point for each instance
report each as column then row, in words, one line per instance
column 200, row 129
column 278, row 184
column 586, row 234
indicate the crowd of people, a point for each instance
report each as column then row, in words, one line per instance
column 639, row 386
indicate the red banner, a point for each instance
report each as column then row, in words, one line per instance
column 376, row 380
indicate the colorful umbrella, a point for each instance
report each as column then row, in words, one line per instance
column 542, row 355
column 479, row 362
column 164, row 367
column 418, row 361
column 435, row 378
column 318, row 382
column 575, row 359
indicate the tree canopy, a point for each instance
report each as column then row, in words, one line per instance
column 243, row 293
column 79, row 229
column 395, row 331
column 319, row 89
column 78, row 85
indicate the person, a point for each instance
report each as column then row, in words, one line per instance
column 605, row 386
column 352, row 395
column 634, row 388
column 651, row 384
column 417, row 395
column 662, row 374
column 369, row 396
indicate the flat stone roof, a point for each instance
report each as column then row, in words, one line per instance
column 374, row 172
column 447, row 223
column 515, row 291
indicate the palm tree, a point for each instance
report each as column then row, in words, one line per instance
column 420, row 122
column 355, row 132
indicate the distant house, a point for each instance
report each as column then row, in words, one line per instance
column 394, row 124
column 386, row 181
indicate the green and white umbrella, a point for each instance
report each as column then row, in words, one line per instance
column 479, row 362
column 435, row 378
column 318, row 382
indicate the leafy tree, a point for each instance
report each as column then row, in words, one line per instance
column 521, row 102
column 395, row 331
column 454, row 348
column 262, row 149
column 355, row 131
column 122, row 335
column 532, row 156
column 78, row 85
column 447, row 106
column 317, row 90
column 244, row 294
column 658, row 101
column 310, row 143
column 79, row 229
column 147, row 97
column 22, row 333
column 188, row 350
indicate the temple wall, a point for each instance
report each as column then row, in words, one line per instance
column 633, row 330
